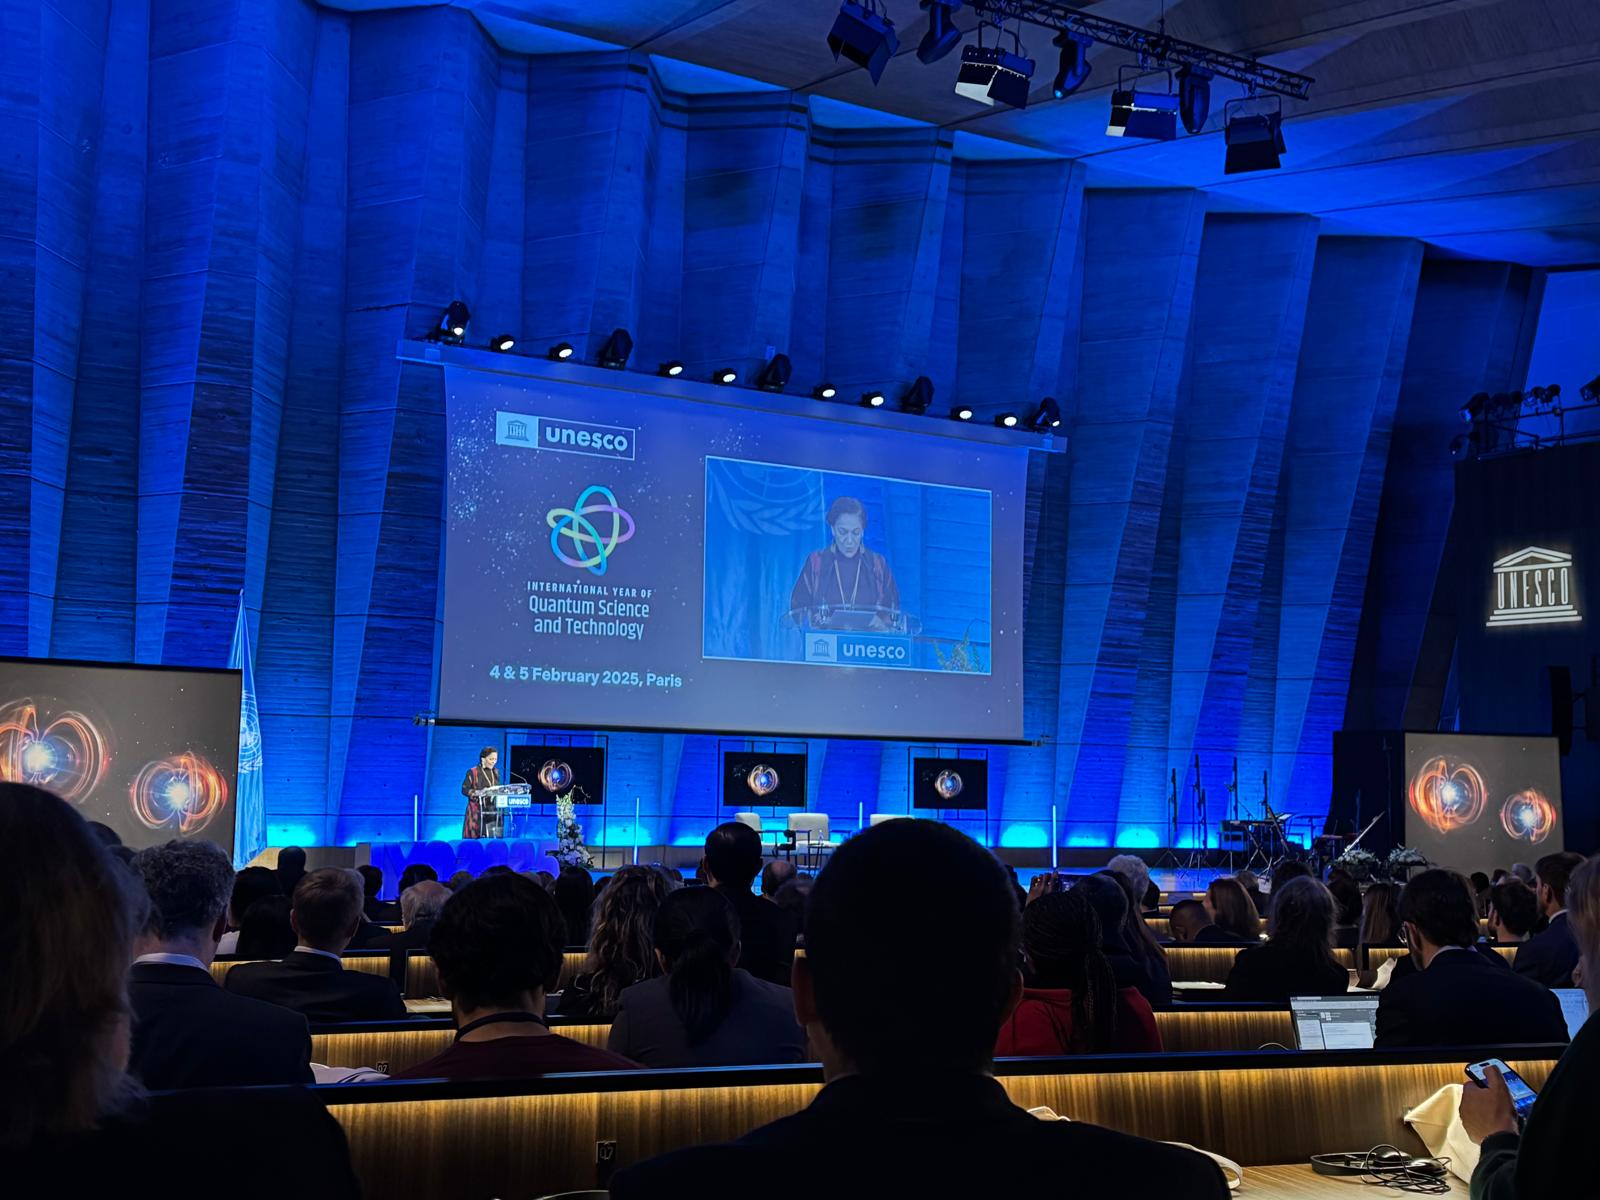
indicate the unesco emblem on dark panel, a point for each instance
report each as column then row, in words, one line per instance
column 1534, row 587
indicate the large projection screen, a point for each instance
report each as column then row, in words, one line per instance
column 1477, row 802
column 150, row 751
column 626, row 560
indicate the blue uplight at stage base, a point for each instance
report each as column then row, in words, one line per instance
column 1137, row 837
column 1024, row 837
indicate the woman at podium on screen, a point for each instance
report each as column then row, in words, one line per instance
column 845, row 585
column 481, row 776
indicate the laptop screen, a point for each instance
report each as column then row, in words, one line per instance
column 1334, row 1022
column 1574, row 1007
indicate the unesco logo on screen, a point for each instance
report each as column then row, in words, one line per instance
column 532, row 432
column 1534, row 587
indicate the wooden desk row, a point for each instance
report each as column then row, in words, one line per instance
column 394, row 1046
column 463, row 1141
column 1188, row 964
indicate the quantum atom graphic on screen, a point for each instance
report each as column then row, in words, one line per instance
column 704, row 567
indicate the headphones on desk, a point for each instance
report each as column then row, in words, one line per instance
column 1389, row 1167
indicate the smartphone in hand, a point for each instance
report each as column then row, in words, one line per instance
column 1522, row 1096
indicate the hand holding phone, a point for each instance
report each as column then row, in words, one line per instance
column 1497, row 1100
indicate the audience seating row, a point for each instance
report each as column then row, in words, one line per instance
column 534, row 1137
column 422, row 977
column 393, row 1046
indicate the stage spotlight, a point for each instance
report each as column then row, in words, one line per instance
column 774, row 376
column 865, row 36
column 452, row 326
column 560, row 351
column 1046, row 417
column 1141, row 114
column 673, row 368
column 1006, row 420
column 1075, row 65
column 1590, row 391
column 1475, row 407
column 1254, row 134
column 1194, row 97
column 502, row 343
column 920, row 395
column 724, row 375
column 961, row 413
column 615, row 350
column 989, row 74
column 942, row 36
column 872, row 399
column 824, row 391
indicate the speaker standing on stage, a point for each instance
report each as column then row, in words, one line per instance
column 481, row 776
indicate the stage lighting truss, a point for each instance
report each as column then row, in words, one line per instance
column 1253, row 129
column 990, row 75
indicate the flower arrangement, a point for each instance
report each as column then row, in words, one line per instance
column 570, row 850
column 1403, row 860
column 1362, row 864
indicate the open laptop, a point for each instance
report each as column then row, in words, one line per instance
column 1334, row 1022
column 1574, row 1007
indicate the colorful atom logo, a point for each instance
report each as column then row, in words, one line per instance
column 575, row 537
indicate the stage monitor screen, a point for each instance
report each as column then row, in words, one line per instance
column 150, row 751
column 763, row 779
column 1477, row 802
column 555, row 771
column 950, row 783
column 624, row 560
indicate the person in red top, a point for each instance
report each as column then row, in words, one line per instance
column 1070, row 1002
column 497, row 945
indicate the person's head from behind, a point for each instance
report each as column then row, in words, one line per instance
column 792, row 898
column 774, row 875
column 1189, row 917
column 292, row 863
column 1231, row 908
column 371, row 880
column 622, row 938
column 1346, row 894
column 1287, row 870
column 266, row 931
column 1247, row 880
column 1136, row 933
column 1554, row 872
column 190, row 884
column 250, row 885
column 1061, row 947
column 733, row 856
column 1302, row 916
column 1513, row 910
column 1499, row 874
column 497, row 946
column 574, row 895
column 1134, row 869
column 697, row 943
column 1437, row 910
column 423, row 902
column 326, row 908
column 544, row 879
column 905, row 911
column 1109, row 898
column 456, row 882
column 1380, row 914
column 68, row 917
column 1480, row 882
column 1583, row 910
column 415, row 873
column 1524, row 873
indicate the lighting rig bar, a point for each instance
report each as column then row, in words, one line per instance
column 1153, row 48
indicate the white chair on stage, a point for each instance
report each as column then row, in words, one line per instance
column 754, row 821
column 810, row 834
column 880, row 818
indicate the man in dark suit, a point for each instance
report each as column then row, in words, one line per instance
column 1458, row 998
column 910, row 1107
column 1549, row 957
column 1192, row 925
column 325, row 912
column 187, row 1031
column 731, row 864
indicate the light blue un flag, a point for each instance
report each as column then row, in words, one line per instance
column 250, row 837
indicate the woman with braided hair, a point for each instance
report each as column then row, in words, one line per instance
column 1071, row 1003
